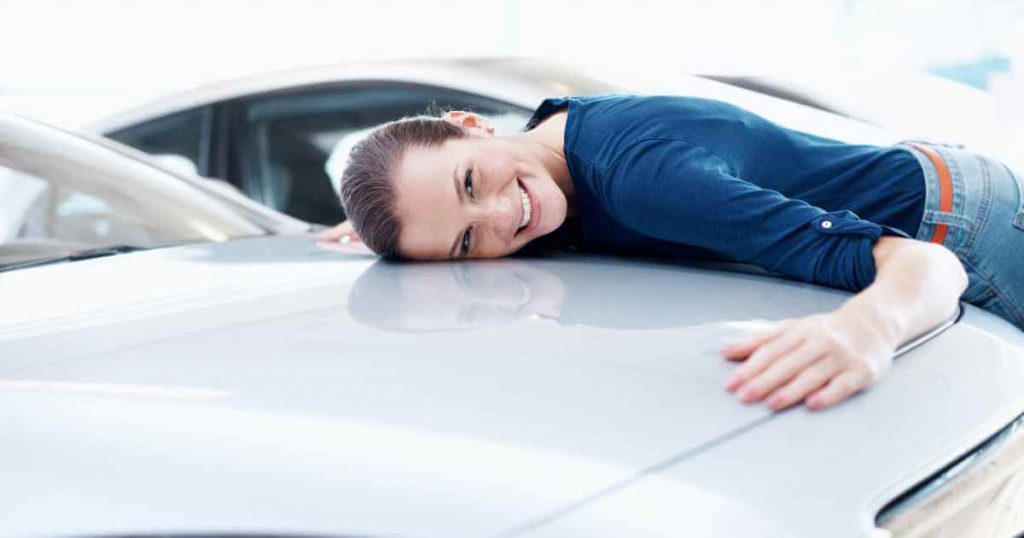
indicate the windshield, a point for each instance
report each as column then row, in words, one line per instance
column 269, row 219
column 61, row 194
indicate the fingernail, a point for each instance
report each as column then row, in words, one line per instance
column 345, row 239
column 733, row 382
column 747, row 396
column 775, row 402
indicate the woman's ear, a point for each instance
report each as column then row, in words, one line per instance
column 468, row 120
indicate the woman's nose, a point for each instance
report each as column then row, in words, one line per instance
column 500, row 213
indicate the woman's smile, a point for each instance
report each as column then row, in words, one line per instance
column 476, row 197
column 525, row 199
column 531, row 210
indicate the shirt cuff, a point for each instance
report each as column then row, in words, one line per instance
column 847, row 222
column 860, row 271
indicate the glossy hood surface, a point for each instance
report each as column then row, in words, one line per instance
column 275, row 385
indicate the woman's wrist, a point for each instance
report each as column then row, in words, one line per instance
column 917, row 287
column 879, row 319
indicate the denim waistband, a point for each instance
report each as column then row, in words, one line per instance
column 950, row 221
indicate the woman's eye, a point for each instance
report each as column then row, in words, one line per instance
column 467, row 237
column 469, row 182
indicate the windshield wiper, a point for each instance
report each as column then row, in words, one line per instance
column 87, row 254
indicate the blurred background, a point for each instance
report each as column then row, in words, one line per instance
column 65, row 60
column 186, row 80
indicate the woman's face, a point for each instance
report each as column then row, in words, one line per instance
column 476, row 197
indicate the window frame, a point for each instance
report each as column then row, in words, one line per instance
column 207, row 133
column 234, row 136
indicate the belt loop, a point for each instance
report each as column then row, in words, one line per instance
column 945, row 189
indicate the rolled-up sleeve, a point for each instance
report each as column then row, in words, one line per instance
column 677, row 191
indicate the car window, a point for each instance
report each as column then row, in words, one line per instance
column 184, row 134
column 288, row 137
column 62, row 194
column 40, row 218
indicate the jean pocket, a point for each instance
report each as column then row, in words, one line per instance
column 958, row 230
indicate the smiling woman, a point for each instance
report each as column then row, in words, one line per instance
column 503, row 192
column 368, row 193
column 692, row 178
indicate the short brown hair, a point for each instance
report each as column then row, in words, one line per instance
column 367, row 191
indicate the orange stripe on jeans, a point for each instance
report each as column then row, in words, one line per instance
column 945, row 190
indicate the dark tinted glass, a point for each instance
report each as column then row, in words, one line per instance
column 186, row 134
column 288, row 137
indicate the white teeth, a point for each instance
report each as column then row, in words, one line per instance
column 527, row 208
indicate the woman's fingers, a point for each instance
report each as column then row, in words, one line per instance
column 339, row 233
column 809, row 359
column 333, row 234
column 779, row 373
column 762, row 357
column 740, row 350
column 810, row 379
column 841, row 387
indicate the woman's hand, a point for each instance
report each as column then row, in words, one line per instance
column 821, row 360
column 342, row 233
column 824, row 359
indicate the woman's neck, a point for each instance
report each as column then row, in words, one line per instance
column 546, row 142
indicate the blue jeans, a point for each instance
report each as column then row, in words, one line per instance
column 985, row 227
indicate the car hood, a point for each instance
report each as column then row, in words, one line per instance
column 277, row 385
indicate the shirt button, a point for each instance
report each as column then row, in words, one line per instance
column 826, row 224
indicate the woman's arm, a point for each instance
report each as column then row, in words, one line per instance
column 681, row 192
column 825, row 358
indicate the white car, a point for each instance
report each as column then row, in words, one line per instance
column 270, row 135
column 249, row 383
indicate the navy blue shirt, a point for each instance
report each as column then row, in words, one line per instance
column 701, row 179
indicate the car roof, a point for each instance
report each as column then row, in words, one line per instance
column 513, row 79
column 279, row 385
column 520, row 81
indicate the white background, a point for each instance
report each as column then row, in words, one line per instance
column 72, row 61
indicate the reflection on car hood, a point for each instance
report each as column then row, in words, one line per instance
column 276, row 385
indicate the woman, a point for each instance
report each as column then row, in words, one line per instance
column 696, row 178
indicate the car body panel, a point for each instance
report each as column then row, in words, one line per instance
column 237, row 387
column 829, row 473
